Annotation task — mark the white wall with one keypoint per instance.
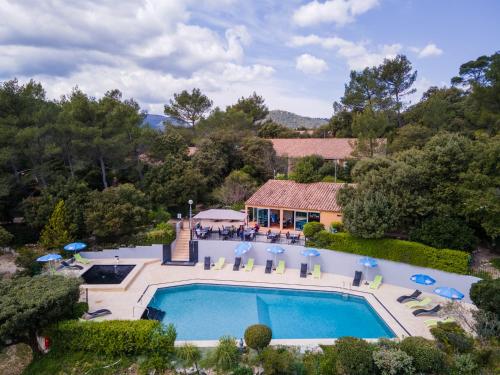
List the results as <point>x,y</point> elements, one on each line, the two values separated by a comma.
<point>149,252</point>
<point>340,263</point>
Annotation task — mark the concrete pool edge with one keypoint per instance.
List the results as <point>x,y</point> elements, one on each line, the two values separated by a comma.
<point>383,313</point>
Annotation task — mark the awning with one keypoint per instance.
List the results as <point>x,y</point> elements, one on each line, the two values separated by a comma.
<point>220,214</point>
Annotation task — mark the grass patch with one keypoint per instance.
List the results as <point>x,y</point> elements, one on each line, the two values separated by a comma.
<point>413,253</point>
<point>62,362</point>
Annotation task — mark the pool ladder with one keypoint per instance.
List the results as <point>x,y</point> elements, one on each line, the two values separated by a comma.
<point>344,294</point>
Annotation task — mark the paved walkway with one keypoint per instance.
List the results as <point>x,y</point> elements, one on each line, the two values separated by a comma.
<point>129,299</point>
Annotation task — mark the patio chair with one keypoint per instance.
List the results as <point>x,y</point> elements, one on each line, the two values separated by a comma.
<point>316,271</point>
<point>303,270</point>
<point>428,312</point>
<point>377,281</point>
<point>411,297</point>
<point>96,314</point>
<point>357,278</point>
<point>269,266</point>
<point>423,303</point>
<point>65,264</point>
<point>237,263</point>
<point>81,259</point>
<point>220,263</point>
<point>249,265</point>
<point>434,322</point>
<point>281,267</point>
<point>206,265</point>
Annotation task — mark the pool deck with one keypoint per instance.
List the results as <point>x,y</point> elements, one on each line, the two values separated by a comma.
<point>129,299</point>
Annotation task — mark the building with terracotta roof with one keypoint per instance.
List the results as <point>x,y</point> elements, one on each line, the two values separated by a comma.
<point>288,205</point>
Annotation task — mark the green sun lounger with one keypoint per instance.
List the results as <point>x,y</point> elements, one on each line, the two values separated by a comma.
<point>281,267</point>
<point>434,322</point>
<point>249,265</point>
<point>316,273</point>
<point>414,304</point>
<point>81,259</point>
<point>377,281</point>
<point>220,263</point>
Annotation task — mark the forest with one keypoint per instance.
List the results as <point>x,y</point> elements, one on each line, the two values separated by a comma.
<point>91,165</point>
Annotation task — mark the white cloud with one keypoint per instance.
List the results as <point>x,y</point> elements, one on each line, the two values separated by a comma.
<point>310,65</point>
<point>357,54</point>
<point>339,12</point>
<point>428,51</point>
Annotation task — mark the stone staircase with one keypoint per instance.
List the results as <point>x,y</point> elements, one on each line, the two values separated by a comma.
<point>181,251</point>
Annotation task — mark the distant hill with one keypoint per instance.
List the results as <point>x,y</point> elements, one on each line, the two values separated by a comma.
<point>156,121</point>
<point>293,121</point>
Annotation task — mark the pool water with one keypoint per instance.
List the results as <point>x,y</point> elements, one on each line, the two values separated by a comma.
<point>107,274</point>
<point>207,312</point>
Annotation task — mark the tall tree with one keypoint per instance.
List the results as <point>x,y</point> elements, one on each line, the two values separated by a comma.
<point>56,232</point>
<point>253,106</point>
<point>189,107</point>
<point>369,128</point>
<point>365,89</point>
<point>398,76</point>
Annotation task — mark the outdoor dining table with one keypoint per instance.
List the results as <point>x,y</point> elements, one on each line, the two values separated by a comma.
<point>294,238</point>
<point>272,236</point>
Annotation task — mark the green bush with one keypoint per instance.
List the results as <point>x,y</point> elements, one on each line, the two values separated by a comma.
<point>464,364</point>
<point>496,263</point>
<point>277,361</point>
<point>321,363</point>
<point>79,309</point>
<point>112,337</point>
<point>310,229</point>
<point>451,338</point>
<point>163,233</point>
<point>225,356</point>
<point>242,370</point>
<point>155,363</point>
<point>486,295</point>
<point>26,259</point>
<point>5,237</point>
<point>354,356</point>
<point>258,336</point>
<point>396,250</point>
<point>337,226</point>
<point>487,324</point>
<point>427,358</point>
<point>393,362</point>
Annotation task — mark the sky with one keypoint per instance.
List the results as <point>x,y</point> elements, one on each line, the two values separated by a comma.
<point>297,54</point>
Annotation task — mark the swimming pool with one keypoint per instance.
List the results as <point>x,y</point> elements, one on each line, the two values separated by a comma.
<point>208,311</point>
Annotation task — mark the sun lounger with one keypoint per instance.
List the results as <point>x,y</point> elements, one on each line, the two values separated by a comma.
<point>411,297</point>
<point>423,303</point>
<point>237,263</point>
<point>65,264</point>
<point>377,281</point>
<point>249,265</point>
<point>357,278</point>
<point>281,267</point>
<point>81,259</point>
<point>269,266</point>
<point>96,314</point>
<point>220,263</point>
<point>303,270</point>
<point>428,312</point>
<point>434,322</point>
<point>206,265</point>
<point>316,271</point>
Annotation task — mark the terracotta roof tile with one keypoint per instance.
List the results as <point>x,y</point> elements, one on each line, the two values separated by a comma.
<point>328,148</point>
<point>317,196</point>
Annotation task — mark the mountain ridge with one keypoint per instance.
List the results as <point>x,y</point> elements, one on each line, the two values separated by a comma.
<point>294,121</point>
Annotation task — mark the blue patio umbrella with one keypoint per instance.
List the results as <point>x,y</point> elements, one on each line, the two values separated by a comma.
<point>448,292</point>
<point>368,262</point>
<point>275,249</point>
<point>242,248</point>
<point>49,258</point>
<point>310,253</point>
<point>75,246</point>
<point>422,279</point>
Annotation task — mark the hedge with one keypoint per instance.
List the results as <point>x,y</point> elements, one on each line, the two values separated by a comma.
<point>113,337</point>
<point>413,253</point>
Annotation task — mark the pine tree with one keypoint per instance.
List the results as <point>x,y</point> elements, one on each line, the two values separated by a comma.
<point>55,233</point>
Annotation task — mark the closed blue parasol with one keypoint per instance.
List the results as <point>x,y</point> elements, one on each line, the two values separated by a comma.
<point>49,258</point>
<point>75,246</point>
<point>422,279</point>
<point>368,262</point>
<point>310,253</point>
<point>275,249</point>
<point>448,292</point>
<point>242,248</point>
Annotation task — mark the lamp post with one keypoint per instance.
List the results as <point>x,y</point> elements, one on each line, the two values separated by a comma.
<point>190,202</point>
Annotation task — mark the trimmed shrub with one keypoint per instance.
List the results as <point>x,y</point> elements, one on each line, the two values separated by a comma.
<point>113,337</point>
<point>79,309</point>
<point>354,356</point>
<point>310,229</point>
<point>337,226</point>
<point>451,338</point>
<point>393,362</point>
<point>486,295</point>
<point>258,336</point>
<point>396,250</point>
<point>163,233</point>
<point>427,358</point>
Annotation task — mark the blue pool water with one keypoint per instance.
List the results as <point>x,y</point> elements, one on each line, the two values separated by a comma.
<point>207,312</point>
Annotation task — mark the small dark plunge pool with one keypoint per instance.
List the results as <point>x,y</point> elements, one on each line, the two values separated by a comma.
<point>104,274</point>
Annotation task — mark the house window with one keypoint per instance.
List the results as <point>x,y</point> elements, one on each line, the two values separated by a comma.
<point>263,217</point>
<point>313,216</point>
<point>250,213</point>
<point>300,220</point>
